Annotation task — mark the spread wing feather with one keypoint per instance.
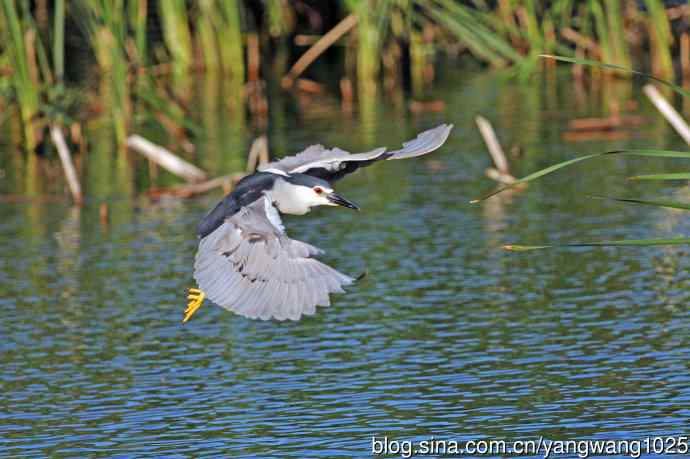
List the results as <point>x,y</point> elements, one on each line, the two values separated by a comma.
<point>250,266</point>
<point>333,164</point>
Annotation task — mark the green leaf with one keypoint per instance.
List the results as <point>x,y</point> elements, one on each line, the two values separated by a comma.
<point>655,203</point>
<point>621,243</point>
<point>649,153</point>
<point>573,60</point>
<point>536,175</point>
<point>672,176</point>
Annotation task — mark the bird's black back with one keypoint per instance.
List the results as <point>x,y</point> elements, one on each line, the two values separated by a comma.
<point>248,190</point>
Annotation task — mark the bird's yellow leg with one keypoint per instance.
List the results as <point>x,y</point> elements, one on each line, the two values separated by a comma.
<point>196,299</point>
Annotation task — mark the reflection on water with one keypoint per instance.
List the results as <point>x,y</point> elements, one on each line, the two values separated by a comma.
<point>447,336</point>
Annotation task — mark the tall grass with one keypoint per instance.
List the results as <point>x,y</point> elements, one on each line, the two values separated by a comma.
<point>138,13</point>
<point>618,48</point>
<point>106,26</point>
<point>206,35</point>
<point>59,41</point>
<point>661,40</point>
<point>279,17</point>
<point>474,30</point>
<point>19,39</point>
<point>513,32</point>
<point>178,39</point>
<point>368,44</point>
<point>228,28</point>
<point>140,63</point>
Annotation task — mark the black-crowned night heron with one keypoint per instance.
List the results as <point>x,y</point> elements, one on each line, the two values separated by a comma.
<point>245,261</point>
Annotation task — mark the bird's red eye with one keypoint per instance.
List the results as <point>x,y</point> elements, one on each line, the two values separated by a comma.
<point>318,190</point>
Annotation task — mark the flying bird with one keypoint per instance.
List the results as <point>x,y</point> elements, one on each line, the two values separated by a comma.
<point>247,264</point>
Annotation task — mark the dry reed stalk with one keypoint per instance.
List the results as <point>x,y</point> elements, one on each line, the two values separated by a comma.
<point>600,135</point>
<point>318,48</point>
<point>67,165</point>
<point>602,124</point>
<point>227,182</point>
<point>346,94</point>
<point>416,106</point>
<point>685,57</point>
<point>309,86</point>
<point>253,57</point>
<point>165,159</point>
<point>582,41</point>
<point>258,153</point>
<point>667,110</point>
<point>501,173</point>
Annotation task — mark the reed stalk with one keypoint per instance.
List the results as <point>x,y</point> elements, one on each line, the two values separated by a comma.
<point>661,40</point>
<point>368,48</point>
<point>228,26</point>
<point>113,66</point>
<point>417,62</point>
<point>602,30</point>
<point>534,34</point>
<point>279,16</point>
<point>59,41</point>
<point>24,82</point>
<point>178,40</point>
<point>138,11</point>
<point>475,30</point>
<point>618,47</point>
<point>206,35</point>
<point>104,22</point>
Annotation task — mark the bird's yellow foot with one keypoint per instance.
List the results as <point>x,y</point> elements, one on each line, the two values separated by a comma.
<point>196,299</point>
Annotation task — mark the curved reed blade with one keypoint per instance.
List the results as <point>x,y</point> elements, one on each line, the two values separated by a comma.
<point>621,243</point>
<point>646,202</point>
<point>573,60</point>
<point>648,153</point>
<point>536,175</point>
<point>671,176</point>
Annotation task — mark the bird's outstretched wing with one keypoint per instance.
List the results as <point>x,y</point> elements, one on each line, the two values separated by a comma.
<point>248,265</point>
<point>333,164</point>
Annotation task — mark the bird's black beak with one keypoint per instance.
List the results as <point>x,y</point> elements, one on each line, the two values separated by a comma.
<point>335,198</point>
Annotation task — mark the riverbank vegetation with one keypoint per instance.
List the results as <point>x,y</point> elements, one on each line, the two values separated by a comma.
<point>134,63</point>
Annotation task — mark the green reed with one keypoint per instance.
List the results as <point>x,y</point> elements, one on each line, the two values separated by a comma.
<point>206,35</point>
<point>152,69</point>
<point>19,38</point>
<point>59,41</point>
<point>509,33</point>
<point>228,27</point>
<point>368,44</point>
<point>138,13</point>
<point>106,26</point>
<point>178,38</point>
<point>618,47</point>
<point>661,40</point>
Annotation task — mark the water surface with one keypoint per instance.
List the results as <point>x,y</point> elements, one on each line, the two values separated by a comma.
<point>448,336</point>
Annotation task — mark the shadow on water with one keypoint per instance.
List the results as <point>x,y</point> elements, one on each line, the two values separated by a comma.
<point>447,337</point>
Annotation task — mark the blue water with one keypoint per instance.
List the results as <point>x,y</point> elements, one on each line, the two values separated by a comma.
<point>447,337</point>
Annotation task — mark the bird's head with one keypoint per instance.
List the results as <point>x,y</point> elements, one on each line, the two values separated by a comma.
<point>300,192</point>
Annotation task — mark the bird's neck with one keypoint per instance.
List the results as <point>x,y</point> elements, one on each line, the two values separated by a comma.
<point>289,199</point>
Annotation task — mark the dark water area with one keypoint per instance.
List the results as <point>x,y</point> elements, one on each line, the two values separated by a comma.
<point>447,337</point>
